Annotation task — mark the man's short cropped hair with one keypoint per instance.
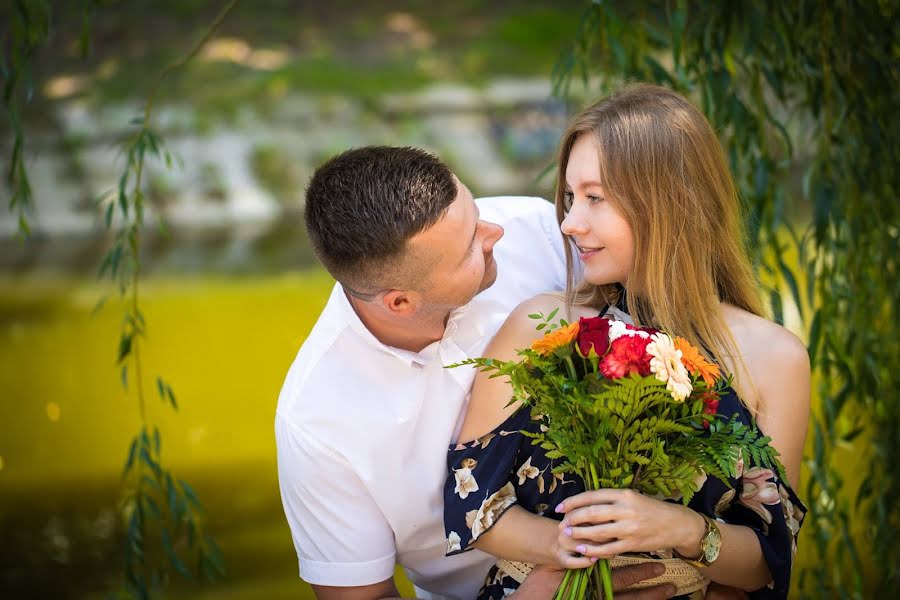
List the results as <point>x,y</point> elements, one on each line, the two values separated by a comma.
<point>364,205</point>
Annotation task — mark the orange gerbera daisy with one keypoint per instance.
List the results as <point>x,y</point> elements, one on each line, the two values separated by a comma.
<point>696,363</point>
<point>555,339</point>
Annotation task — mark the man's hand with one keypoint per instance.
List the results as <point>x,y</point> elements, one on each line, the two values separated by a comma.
<point>543,582</point>
<point>625,576</point>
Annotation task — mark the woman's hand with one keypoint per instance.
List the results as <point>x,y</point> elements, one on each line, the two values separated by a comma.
<point>607,522</point>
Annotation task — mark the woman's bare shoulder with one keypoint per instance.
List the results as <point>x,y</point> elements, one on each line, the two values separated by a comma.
<point>770,352</point>
<point>760,338</point>
<point>521,324</point>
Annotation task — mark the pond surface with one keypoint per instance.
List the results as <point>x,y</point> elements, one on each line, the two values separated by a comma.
<point>65,424</point>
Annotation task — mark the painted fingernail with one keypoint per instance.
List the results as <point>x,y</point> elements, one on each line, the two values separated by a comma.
<point>568,531</point>
<point>559,507</point>
<point>593,559</point>
<point>565,522</point>
<point>581,549</point>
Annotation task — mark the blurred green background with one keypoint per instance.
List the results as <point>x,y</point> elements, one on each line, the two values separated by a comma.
<point>231,288</point>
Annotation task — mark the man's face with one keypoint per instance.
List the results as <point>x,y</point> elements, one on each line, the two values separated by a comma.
<point>461,247</point>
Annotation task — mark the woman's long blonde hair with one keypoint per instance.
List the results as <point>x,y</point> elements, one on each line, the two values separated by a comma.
<point>664,169</point>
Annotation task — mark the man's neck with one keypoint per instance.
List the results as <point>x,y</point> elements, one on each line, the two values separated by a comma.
<point>405,334</point>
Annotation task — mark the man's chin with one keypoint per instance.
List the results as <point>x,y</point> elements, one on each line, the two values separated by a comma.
<point>489,280</point>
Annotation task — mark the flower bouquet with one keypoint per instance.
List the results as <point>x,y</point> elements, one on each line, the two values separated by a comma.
<point>627,407</point>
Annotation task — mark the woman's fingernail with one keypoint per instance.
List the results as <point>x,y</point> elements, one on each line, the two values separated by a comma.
<point>565,522</point>
<point>581,549</point>
<point>559,507</point>
<point>568,531</point>
<point>593,559</point>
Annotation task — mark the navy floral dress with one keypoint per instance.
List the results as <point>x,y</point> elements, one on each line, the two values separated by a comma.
<point>502,468</point>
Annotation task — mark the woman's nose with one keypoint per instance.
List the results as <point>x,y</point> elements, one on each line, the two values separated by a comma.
<point>572,224</point>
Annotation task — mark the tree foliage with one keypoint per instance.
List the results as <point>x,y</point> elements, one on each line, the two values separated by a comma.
<point>804,96</point>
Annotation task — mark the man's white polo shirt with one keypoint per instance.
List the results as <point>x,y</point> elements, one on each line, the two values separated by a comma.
<point>363,429</point>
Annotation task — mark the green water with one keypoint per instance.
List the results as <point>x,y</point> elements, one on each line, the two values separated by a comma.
<point>65,424</point>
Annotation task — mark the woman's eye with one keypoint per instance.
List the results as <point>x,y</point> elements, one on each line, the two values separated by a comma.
<point>568,198</point>
<point>595,199</point>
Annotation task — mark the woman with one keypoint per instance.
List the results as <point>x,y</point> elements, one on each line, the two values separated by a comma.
<point>645,195</point>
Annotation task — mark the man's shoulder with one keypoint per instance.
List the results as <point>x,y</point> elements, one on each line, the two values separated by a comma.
<point>326,348</point>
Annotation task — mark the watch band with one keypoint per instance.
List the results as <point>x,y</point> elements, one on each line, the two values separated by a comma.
<point>710,544</point>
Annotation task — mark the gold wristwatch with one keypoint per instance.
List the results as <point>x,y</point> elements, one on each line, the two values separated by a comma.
<point>710,544</point>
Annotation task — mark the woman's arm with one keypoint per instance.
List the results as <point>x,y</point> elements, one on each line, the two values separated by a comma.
<point>780,369</point>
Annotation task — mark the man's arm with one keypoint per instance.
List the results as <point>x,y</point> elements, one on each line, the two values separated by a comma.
<point>342,539</point>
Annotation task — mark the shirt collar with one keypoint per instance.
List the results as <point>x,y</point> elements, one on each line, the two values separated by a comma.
<point>421,358</point>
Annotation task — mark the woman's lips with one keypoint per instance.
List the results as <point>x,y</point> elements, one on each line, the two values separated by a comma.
<point>586,253</point>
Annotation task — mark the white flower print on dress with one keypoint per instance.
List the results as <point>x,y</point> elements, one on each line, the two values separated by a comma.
<point>758,492</point>
<point>493,506</point>
<point>792,516</point>
<point>453,542</point>
<point>528,471</point>
<point>465,481</point>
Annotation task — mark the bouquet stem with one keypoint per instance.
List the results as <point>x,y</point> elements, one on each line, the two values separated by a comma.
<point>562,591</point>
<point>596,579</point>
<point>606,578</point>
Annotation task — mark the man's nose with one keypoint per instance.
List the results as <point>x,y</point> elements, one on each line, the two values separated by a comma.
<point>492,233</point>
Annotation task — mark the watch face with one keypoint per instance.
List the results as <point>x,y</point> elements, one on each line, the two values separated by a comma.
<point>711,548</point>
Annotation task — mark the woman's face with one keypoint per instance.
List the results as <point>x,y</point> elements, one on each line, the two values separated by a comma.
<point>603,236</point>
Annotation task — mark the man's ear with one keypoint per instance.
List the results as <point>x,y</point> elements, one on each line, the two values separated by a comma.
<point>401,303</point>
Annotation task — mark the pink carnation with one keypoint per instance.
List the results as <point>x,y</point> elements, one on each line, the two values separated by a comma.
<point>627,355</point>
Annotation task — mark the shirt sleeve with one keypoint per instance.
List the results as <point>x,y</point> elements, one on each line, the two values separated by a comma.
<point>340,534</point>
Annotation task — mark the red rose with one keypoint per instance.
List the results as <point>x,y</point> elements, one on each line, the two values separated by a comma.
<point>593,333</point>
<point>710,405</point>
<point>711,408</point>
<point>627,355</point>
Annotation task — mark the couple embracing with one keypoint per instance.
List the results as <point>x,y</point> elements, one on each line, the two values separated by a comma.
<point>373,431</point>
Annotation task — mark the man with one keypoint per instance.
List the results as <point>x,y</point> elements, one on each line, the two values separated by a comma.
<point>368,411</point>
